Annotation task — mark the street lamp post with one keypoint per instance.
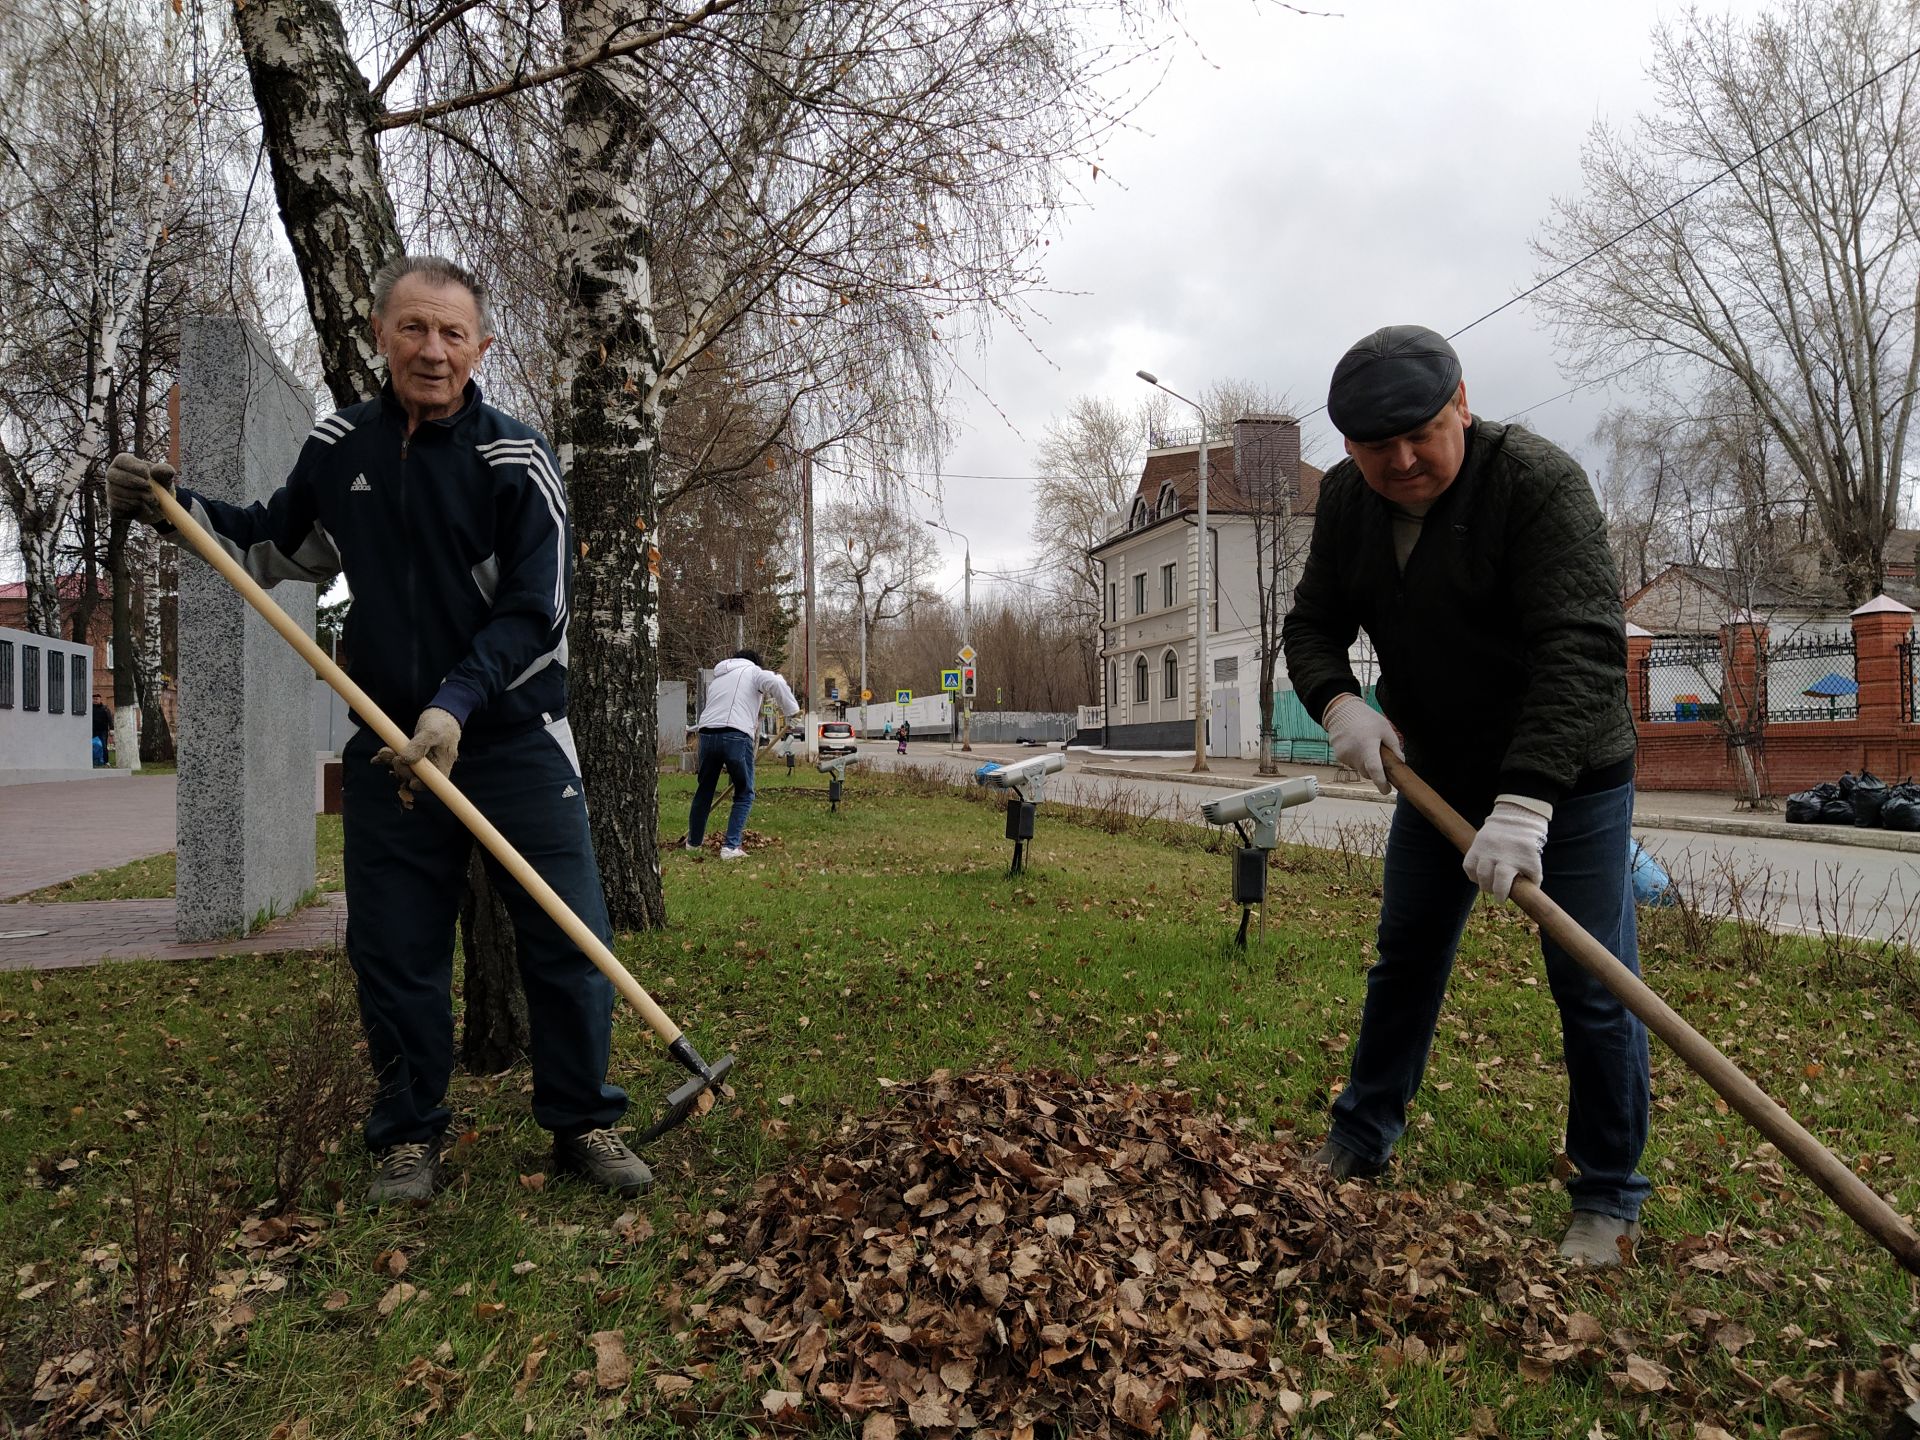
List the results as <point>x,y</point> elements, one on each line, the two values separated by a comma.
<point>1200,705</point>
<point>966,629</point>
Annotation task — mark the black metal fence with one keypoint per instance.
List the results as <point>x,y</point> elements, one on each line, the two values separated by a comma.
<point>1909,693</point>
<point>1681,679</point>
<point>1812,679</point>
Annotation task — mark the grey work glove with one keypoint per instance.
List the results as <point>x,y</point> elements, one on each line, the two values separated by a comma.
<point>1357,731</point>
<point>436,739</point>
<point>128,492</point>
<point>1507,847</point>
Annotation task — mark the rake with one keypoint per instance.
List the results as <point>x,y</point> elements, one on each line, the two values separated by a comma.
<point>680,1103</point>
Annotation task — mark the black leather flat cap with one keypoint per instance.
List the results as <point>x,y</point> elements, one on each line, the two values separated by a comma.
<point>1395,380</point>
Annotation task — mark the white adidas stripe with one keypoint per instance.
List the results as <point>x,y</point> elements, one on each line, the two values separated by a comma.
<point>332,428</point>
<point>532,456</point>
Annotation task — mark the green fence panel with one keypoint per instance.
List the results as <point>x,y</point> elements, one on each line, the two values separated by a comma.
<point>1296,736</point>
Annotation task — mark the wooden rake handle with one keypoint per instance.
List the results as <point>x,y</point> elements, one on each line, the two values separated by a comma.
<point>1809,1156</point>
<point>515,864</point>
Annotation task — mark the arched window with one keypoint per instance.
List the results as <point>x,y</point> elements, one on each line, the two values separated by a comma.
<point>1113,683</point>
<point>1140,691</point>
<point>1139,518</point>
<point>1169,500</point>
<point>1170,674</point>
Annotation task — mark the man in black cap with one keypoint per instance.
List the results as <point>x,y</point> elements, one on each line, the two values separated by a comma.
<point>1474,556</point>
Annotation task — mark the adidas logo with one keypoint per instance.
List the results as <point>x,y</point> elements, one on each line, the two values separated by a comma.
<point>360,483</point>
<point>568,793</point>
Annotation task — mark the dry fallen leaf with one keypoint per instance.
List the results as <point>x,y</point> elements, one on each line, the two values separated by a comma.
<point>336,1300</point>
<point>1645,1374</point>
<point>780,1403</point>
<point>611,1367</point>
<point>398,1295</point>
<point>535,1181</point>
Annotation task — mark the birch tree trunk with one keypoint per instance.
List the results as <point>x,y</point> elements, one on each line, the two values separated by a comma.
<point>44,514</point>
<point>156,735</point>
<point>608,444</point>
<point>318,114</point>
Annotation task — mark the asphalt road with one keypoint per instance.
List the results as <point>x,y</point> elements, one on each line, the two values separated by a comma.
<point>1791,885</point>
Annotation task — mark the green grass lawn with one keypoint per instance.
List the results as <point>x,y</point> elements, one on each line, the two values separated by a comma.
<point>152,878</point>
<point>887,941</point>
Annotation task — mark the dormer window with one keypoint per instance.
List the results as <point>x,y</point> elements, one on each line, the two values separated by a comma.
<point>1169,500</point>
<point>1138,520</point>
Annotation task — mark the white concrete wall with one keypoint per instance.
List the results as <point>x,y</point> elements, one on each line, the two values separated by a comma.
<point>44,738</point>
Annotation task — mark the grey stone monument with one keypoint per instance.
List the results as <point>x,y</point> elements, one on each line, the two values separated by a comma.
<point>245,794</point>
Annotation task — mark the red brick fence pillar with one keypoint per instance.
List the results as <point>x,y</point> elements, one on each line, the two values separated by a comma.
<point>1879,627</point>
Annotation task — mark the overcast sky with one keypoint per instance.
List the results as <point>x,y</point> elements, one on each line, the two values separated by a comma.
<point>1296,183</point>
<point>1293,184</point>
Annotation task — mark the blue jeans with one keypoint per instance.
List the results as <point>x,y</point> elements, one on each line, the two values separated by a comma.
<point>732,751</point>
<point>1427,899</point>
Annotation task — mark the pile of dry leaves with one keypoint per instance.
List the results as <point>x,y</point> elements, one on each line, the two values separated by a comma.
<point>1023,1253</point>
<point>1028,1252</point>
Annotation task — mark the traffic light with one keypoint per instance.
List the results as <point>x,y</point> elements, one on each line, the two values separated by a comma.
<point>966,683</point>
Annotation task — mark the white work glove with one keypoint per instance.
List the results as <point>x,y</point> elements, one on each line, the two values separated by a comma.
<point>436,739</point>
<point>1357,731</point>
<point>128,492</point>
<point>1508,846</point>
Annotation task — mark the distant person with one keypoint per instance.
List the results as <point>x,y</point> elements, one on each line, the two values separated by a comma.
<point>1473,553</point>
<point>886,731</point>
<point>102,732</point>
<point>728,722</point>
<point>905,731</point>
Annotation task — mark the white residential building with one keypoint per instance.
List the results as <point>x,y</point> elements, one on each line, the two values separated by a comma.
<point>1150,559</point>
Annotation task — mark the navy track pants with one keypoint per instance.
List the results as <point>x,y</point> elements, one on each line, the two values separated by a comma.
<point>405,873</point>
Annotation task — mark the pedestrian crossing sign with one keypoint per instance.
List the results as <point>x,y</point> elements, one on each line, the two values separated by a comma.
<point>901,697</point>
<point>949,679</point>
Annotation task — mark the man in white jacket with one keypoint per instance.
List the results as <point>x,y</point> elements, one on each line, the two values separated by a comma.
<point>729,722</point>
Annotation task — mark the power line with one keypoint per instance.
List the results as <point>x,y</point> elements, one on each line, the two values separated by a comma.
<point>1710,181</point>
<point>1576,389</point>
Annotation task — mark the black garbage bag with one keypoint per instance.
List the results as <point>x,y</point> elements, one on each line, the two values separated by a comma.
<point>1845,785</point>
<point>1837,812</point>
<point>1869,794</point>
<point>1901,809</point>
<point>1805,808</point>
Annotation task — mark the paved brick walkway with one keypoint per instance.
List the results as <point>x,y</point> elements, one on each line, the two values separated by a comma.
<point>85,932</point>
<point>63,828</point>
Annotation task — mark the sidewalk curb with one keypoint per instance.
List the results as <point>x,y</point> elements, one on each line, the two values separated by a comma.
<point>1642,820</point>
<point>1780,830</point>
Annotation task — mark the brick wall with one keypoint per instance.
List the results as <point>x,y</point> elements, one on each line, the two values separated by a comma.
<point>1693,755</point>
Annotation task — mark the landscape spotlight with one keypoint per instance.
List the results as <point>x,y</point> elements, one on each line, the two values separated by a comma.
<point>1027,779</point>
<point>1262,806</point>
<point>835,769</point>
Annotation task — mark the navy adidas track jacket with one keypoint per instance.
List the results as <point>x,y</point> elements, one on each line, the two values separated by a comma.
<point>455,543</point>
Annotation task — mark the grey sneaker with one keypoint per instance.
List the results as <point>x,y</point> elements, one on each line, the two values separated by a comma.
<point>732,852</point>
<point>602,1157</point>
<point>1594,1240</point>
<point>408,1172</point>
<point>1344,1163</point>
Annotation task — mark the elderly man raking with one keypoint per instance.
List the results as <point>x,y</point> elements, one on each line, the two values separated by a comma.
<point>449,521</point>
<point>1475,557</point>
